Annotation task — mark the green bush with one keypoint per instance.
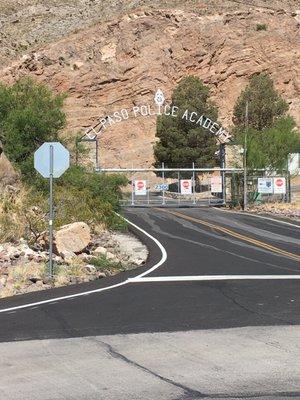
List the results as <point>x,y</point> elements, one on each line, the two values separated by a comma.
<point>86,196</point>
<point>102,263</point>
<point>30,114</point>
<point>89,197</point>
<point>261,27</point>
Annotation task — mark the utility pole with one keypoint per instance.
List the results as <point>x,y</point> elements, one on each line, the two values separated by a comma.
<point>245,155</point>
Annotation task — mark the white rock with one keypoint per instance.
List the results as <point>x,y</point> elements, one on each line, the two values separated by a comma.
<point>100,250</point>
<point>90,269</point>
<point>73,238</point>
<point>110,256</point>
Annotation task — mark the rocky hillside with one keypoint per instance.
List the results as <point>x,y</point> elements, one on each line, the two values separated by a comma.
<point>121,63</point>
<point>26,24</point>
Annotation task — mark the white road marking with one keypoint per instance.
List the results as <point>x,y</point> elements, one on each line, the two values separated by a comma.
<point>157,265</point>
<point>210,278</point>
<point>258,216</point>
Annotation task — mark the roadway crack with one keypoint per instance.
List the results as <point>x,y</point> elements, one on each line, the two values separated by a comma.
<point>188,392</point>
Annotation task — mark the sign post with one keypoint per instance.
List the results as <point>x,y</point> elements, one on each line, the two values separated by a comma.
<point>163,176</point>
<point>194,184</point>
<point>51,160</point>
<point>51,212</point>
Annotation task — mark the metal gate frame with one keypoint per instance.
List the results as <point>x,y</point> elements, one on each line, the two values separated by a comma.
<point>148,202</point>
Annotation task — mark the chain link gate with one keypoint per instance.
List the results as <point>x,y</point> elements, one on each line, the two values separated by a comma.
<point>173,187</point>
<point>195,187</point>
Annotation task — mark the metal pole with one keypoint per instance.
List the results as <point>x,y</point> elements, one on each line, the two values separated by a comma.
<point>163,176</point>
<point>178,191</point>
<point>97,154</point>
<point>289,189</point>
<point>132,190</point>
<point>245,155</point>
<point>223,174</point>
<point>76,151</point>
<point>194,185</point>
<point>51,215</point>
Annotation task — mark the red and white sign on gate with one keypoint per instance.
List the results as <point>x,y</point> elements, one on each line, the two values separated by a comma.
<point>279,186</point>
<point>186,186</point>
<point>216,184</point>
<point>140,188</point>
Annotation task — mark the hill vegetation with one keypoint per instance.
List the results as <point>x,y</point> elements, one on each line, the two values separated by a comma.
<point>31,115</point>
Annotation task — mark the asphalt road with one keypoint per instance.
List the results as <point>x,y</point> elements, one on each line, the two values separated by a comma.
<point>219,318</point>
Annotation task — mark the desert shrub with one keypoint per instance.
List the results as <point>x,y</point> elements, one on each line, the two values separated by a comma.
<point>10,230</point>
<point>261,27</point>
<point>26,213</point>
<point>102,263</point>
<point>13,215</point>
<point>22,215</point>
<point>89,197</point>
<point>22,273</point>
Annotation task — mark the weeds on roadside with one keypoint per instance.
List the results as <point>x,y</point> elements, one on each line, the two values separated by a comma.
<point>102,263</point>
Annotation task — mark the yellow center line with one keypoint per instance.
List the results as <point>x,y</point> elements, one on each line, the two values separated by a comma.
<point>234,234</point>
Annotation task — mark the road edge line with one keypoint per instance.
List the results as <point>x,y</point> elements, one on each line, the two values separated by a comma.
<point>157,242</point>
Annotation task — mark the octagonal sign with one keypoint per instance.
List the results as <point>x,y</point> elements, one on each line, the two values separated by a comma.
<point>61,159</point>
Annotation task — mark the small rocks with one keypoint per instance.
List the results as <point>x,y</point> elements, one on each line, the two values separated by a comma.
<point>110,256</point>
<point>285,210</point>
<point>68,256</point>
<point>90,269</point>
<point>3,281</point>
<point>23,268</point>
<point>34,279</point>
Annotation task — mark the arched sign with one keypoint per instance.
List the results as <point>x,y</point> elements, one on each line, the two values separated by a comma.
<point>159,108</point>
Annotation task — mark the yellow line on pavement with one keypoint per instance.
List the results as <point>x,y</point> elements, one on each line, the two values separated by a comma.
<point>237,235</point>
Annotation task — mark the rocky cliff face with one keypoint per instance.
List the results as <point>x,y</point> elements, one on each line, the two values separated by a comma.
<point>121,63</point>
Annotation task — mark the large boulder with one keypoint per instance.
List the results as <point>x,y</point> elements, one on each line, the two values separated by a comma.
<point>72,238</point>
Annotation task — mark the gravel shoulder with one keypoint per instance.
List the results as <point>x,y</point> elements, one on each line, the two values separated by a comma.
<point>24,270</point>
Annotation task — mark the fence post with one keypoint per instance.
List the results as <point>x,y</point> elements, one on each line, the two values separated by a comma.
<point>132,190</point>
<point>178,191</point>
<point>194,185</point>
<point>289,189</point>
<point>163,176</point>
